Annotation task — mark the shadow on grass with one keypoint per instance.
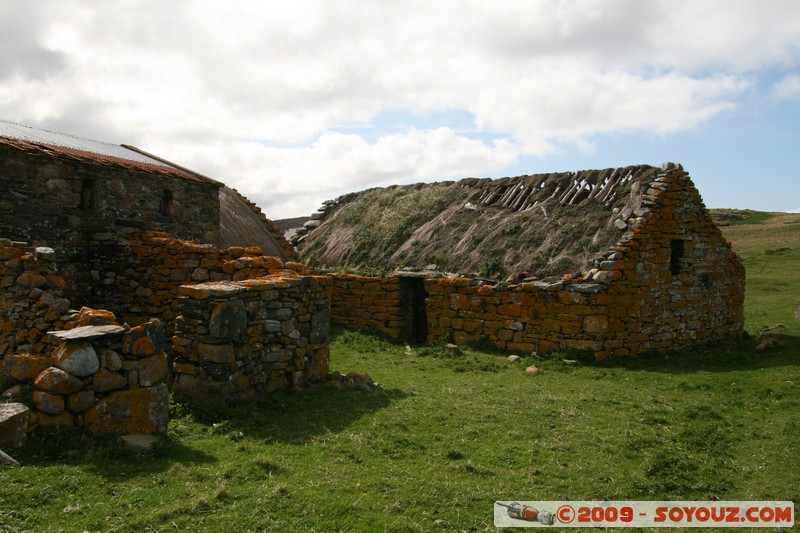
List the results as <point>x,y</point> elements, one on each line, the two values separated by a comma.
<point>294,416</point>
<point>108,457</point>
<point>724,357</point>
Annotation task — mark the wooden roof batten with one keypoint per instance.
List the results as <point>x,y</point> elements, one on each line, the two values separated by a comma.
<point>570,188</point>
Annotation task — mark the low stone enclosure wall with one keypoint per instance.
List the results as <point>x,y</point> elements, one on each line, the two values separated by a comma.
<point>266,327</point>
<point>364,303</point>
<point>672,281</point>
<point>137,275</point>
<point>234,340</point>
<point>104,378</point>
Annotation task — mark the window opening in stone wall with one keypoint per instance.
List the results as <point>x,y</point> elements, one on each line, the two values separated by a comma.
<point>166,200</point>
<point>412,298</point>
<point>676,256</point>
<point>88,194</point>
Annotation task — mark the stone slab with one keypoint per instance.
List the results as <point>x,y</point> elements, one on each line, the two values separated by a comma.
<point>211,290</point>
<point>86,333</point>
<point>587,288</point>
<point>13,425</point>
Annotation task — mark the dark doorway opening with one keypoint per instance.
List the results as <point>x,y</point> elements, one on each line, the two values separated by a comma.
<point>412,301</point>
<point>677,252</point>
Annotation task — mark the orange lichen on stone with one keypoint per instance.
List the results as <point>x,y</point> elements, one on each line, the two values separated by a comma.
<point>142,347</point>
<point>132,412</point>
<point>25,367</point>
<point>95,317</point>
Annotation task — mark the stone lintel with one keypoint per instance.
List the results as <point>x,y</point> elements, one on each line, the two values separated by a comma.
<point>86,333</point>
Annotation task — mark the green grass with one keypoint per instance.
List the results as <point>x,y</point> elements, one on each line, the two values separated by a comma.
<point>445,437</point>
<point>770,252</point>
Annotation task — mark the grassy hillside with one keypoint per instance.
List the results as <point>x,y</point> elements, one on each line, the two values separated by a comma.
<point>769,245</point>
<point>448,436</point>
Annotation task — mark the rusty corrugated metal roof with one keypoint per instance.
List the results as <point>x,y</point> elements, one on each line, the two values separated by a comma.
<point>98,151</point>
<point>65,140</point>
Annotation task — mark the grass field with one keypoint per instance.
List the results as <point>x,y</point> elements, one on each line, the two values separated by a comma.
<point>445,437</point>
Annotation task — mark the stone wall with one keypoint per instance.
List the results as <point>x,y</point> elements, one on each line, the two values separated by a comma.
<point>53,197</point>
<point>135,274</point>
<point>31,298</point>
<point>368,303</point>
<point>104,378</point>
<point>234,340</point>
<point>138,274</point>
<point>671,282</point>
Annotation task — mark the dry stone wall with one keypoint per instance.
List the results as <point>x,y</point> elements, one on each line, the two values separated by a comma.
<point>31,298</point>
<point>236,339</point>
<point>138,274</point>
<point>367,303</point>
<point>104,378</point>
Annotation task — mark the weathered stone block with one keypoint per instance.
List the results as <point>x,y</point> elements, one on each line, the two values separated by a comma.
<point>141,411</point>
<point>217,353</point>
<point>105,380</point>
<point>51,404</point>
<point>13,425</point>
<point>77,358</point>
<point>109,359</point>
<point>62,420</point>
<point>193,389</point>
<point>31,279</point>
<point>57,381</point>
<point>595,324</point>
<point>145,340</point>
<point>80,401</point>
<point>228,320</point>
<point>25,367</point>
<point>95,317</point>
<point>152,370</point>
<point>87,333</point>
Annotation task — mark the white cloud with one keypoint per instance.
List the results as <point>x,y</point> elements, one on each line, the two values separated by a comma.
<point>574,105</point>
<point>794,210</point>
<point>788,88</point>
<point>338,163</point>
<point>253,92</point>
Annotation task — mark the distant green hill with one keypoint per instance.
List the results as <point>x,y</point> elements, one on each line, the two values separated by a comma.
<point>769,245</point>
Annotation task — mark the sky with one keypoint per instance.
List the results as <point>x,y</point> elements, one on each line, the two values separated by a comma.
<point>296,102</point>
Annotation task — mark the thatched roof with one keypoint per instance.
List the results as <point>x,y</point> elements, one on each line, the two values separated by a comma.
<point>544,225</point>
<point>243,224</point>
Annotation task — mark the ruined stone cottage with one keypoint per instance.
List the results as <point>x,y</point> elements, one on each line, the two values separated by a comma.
<point>616,262</point>
<point>159,259</point>
<point>72,194</point>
